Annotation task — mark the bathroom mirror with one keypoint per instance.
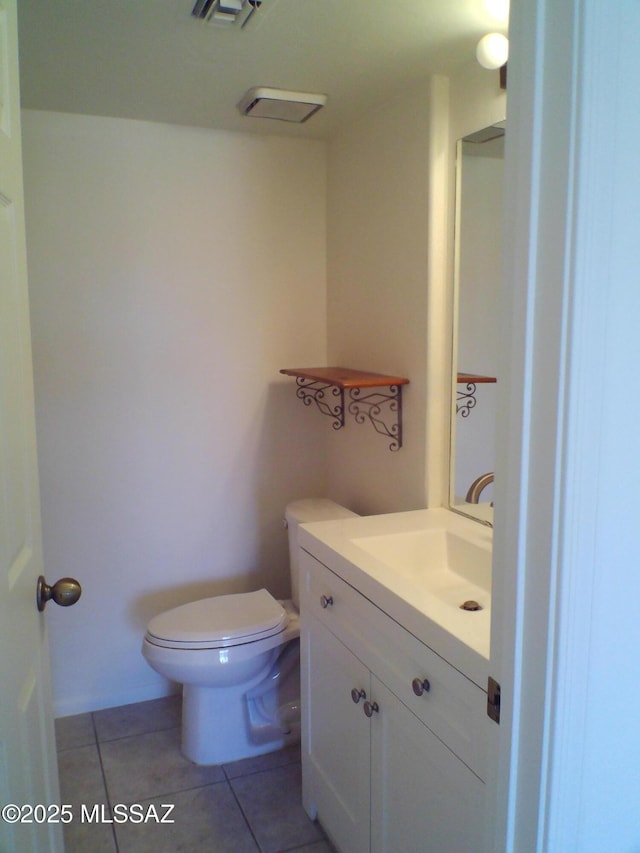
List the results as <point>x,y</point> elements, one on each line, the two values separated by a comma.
<point>477,271</point>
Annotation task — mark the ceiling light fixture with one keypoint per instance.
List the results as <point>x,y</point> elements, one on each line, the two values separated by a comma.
<point>281,104</point>
<point>492,51</point>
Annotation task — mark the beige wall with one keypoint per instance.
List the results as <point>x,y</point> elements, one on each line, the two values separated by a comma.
<point>377,268</point>
<point>390,274</point>
<point>173,271</point>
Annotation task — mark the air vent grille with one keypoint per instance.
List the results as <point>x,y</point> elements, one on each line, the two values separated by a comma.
<point>282,104</point>
<point>226,12</point>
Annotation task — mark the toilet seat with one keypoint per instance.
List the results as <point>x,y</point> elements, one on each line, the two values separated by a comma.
<point>220,622</point>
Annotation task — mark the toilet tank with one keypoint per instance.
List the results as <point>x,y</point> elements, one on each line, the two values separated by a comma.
<point>301,512</point>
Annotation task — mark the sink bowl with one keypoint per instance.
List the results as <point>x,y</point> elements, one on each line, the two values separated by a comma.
<point>453,569</point>
<point>419,567</point>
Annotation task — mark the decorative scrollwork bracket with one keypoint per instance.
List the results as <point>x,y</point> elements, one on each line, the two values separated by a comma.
<point>313,391</point>
<point>383,411</point>
<point>325,386</point>
<point>466,400</point>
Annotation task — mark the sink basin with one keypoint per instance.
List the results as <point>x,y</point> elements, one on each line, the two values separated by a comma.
<point>453,569</point>
<point>419,567</point>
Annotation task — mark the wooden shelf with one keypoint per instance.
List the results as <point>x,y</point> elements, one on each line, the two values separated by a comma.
<point>312,383</point>
<point>345,377</point>
<point>474,378</point>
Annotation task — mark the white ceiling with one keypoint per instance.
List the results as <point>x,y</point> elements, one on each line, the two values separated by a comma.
<point>150,59</point>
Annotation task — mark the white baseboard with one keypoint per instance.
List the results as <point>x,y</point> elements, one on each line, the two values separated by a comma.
<point>139,693</point>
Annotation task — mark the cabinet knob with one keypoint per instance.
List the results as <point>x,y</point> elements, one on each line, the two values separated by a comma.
<point>357,695</point>
<point>420,686</point>
<point>326,601</point>
<point>370,708</point>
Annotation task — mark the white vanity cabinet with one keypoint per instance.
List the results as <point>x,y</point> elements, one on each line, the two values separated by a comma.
<point>394,771</point>
<point>336,751</point>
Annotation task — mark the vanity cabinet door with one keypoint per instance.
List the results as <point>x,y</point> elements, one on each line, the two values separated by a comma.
<point>423,798</point>
<point>335,736</point>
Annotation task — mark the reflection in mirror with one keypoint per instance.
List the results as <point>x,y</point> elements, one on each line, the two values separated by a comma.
<point>478,271</point>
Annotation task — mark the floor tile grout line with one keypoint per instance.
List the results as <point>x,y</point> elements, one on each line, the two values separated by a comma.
<point>302,847</point>
<point>260,770</point>
<point>245,818</point>
<point>228,776</point>
<point>104,782</point>
<point>150,797</point>
<point>155,796</point>
<point>135,734</point>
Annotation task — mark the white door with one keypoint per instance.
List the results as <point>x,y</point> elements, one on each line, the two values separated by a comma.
<point>28,771</point>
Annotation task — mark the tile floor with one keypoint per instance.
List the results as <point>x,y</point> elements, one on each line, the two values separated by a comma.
<point>131,754</point>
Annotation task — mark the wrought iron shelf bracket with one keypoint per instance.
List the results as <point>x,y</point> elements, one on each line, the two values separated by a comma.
<point>383,411</point>
<point>466,399</point>
<point>325,386</point>
<point>313,391</point>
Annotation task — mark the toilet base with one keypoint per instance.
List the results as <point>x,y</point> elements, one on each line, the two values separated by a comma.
<point>219,726</point>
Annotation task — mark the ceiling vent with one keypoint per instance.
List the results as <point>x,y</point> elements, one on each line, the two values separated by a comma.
<point>281,104</point>
<point>226,12</point>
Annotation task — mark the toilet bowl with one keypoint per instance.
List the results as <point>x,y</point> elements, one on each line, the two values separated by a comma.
<point>238,659</point>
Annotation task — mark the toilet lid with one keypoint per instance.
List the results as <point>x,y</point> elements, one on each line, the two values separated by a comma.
<point>226,620</point>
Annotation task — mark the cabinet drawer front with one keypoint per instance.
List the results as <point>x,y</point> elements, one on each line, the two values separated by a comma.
<point>451,705</point>
<point>344,611</point>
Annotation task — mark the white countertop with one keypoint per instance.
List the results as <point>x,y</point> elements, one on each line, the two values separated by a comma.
<point>411,598</point>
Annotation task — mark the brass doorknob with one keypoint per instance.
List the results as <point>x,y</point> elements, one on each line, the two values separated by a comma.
<point>64,592</point>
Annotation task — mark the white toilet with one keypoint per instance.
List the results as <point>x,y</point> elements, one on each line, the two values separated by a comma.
<point>238,659</point>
